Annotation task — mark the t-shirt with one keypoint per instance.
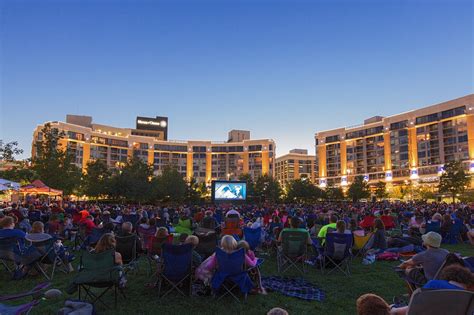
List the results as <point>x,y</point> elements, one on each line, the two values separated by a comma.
<point>7,233</point>
<point>431,260</point>
<point>296,230</point>
<point>324,230</point>
<point>441,284</point>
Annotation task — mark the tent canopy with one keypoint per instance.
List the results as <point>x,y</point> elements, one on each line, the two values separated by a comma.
<point>38,187</point>
<point>9,184</point>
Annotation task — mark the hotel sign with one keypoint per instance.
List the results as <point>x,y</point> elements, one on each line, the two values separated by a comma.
<point>157,123</point>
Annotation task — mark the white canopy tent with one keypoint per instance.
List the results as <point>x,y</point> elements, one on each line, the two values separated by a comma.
<point>9,184</point>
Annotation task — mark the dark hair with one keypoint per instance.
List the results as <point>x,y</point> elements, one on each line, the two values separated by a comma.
<point>295,222</point>
<point>457,273</point>
<point>340,226</point>
<point>333,218</point>
<point>378,224</point>
<point>371,304</point>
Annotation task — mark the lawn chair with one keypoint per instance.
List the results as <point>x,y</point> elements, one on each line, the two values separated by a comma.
<point>93,238</point>
<point>36,293</point>
<point>49,256</point>
<point>337,252</point>
<point>433,227</point>
<point>10,254</point>
<point>454,234</point>
<point>253,237</point>
<point>362,244</point>
<point>293,252</point>
<point>231,274</point>
<point>176,269</point>
<point>145,235</point>
<point>127,247</point>
<point>98,270</point>
<point>207,242</point>
<point>232,227</point>
<point>441,302</point>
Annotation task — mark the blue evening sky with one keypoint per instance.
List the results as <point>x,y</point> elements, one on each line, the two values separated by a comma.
<point>282,69</point>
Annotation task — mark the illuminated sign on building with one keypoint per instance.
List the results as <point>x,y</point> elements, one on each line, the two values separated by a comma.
<point>344,181</point>
<point>388,176</point>
<point>157,123</point>
<point>414,173</point>
<point>323,182</point>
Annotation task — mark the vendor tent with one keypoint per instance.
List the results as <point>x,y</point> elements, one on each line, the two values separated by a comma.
<point>38,187</point>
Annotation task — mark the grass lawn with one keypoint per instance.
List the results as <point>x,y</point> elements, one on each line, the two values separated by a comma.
<point>341,292</point>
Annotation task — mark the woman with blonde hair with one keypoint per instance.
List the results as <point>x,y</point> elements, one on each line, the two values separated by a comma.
<point>107,242</point>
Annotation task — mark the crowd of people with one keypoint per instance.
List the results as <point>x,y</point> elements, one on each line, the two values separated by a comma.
<point>417,228</point>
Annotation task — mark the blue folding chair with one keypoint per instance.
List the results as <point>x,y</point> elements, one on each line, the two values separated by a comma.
<point>433,226</point>
<point>454,234</point>
<point>10,253</point>
<point>253,237</point>
<point>337,253</point>
<point>176,269</point>
<point>231,274</point>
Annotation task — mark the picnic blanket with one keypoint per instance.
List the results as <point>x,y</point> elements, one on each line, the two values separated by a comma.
<point>299,288</point>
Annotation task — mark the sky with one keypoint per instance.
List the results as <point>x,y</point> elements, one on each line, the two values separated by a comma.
<point>282,69</point>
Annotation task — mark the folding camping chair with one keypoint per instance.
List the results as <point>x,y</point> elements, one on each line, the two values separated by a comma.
<point>337,252</point>
<point>35,293</point>
<point>231,274</point>
<point>10,254</point>
<point>98,270</point>
<point>49,256</point>
<point>127,247</point>
<point>293,252</point>
<point>145,234</point>
<point>232,227</point>
<point>207,242</point>
<point>92,239</point>
<point>454,234</point>
<point>176,269</point>
<point>362,244</point>
<point>441,302</point>
<point>253,237</point>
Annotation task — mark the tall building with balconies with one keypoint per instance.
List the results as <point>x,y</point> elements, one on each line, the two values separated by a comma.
<point>413,145</point>
<point>297,164</point>
<point>202,160</point>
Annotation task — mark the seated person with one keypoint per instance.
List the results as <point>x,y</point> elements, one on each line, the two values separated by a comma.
<point>194,240</point>
<point>295,222</point>
<point>7,228</point>
<point>429,260</point>
<point>255,273</point>
<point>371,304</point>
<point>126,231</point>
<point>208,222</point>
<point>161,237</point>
<point>380,243</point>
<point>37,234</point>
<point>341,227</point>
<point>331,226</point>
<point>107,242</point>
<point>184,225</point>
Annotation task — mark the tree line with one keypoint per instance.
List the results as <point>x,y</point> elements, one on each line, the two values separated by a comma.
<point>134,181</point>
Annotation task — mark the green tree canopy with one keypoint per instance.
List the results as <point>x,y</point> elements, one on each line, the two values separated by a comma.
<point>454,180</point>
<point>381,190</point>
<point>54,164</point>
<point>8,151</point>
<point>358,189</point>
<point>132,182</point>
<point>334,193</point>
<point>302,190</point>
<point>267,188</point>
<point>96,180</point>
<point>170,185</point>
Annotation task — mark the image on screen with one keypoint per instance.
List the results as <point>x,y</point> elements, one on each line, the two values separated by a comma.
<point>230,191</point>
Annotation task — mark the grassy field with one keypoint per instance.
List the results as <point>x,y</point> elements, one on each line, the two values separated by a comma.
<point>341,292</point>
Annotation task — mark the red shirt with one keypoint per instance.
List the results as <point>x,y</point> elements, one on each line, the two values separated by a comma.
<point>89,225</point>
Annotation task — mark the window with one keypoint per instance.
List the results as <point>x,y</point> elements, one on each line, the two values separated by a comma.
<point>427,119</point>
<point>453,112</point>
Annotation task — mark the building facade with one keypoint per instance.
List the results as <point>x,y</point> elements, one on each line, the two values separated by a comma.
<point>201,160</point>
<point>295,165</point>
<point>410,146</point>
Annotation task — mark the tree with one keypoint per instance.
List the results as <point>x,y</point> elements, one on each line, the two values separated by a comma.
<point>268,188</point>
<point>358,189</point>
<point>193,193</point>
<point>170,185</point>
<point>301,190</point>
<point>334,193</point>
<point>96,181</point>
<point>20,173</point>
<point>250,184</point>
<point>8,151</point>
<point>381,190</point>
<point>454,180</point>
<point>132,182</point>
<point>54,164</point>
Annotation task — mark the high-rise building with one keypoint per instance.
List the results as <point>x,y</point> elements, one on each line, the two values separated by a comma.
<point>295,165</point>
<point>413,145</point>
<point>202,160</point>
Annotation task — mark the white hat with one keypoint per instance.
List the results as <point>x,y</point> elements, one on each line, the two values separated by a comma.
<point>432,239</point>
